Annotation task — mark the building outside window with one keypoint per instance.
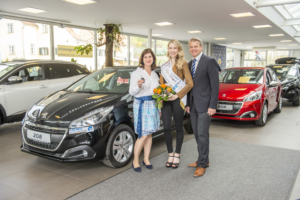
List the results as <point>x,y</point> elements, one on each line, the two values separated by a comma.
<point>32,49</point>
<point>45,28</point>
<point>255,59</point>
<point>229,58</point>
<point>273,55</point>
<point>161,51</point>
<point>10,28</point>
<point>44,51</point>
<point>11,49</point>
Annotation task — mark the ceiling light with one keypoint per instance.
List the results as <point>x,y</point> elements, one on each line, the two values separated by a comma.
<point>32,10</point>
<point>260,48</point>
<point>81,2</point>
<point>293,44</point>
<point>246,14</point>
<point>281,48</point>
<point>220,38</point>
<point>194,31</point>
<point>262,26</point>
<point>237,43</point>
<point>157,34</point>
<point>164,23</point>
<point>286,41</point>
<point>276,35</point>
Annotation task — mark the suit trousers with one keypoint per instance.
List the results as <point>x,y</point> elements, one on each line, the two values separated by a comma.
<point>201,123</point>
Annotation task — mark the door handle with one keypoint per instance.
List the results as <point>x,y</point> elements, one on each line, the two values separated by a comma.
<point>43,86</point>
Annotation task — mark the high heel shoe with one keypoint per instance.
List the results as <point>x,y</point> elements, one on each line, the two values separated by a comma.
<point>176,164</point>
<point>148,166</point>
<point>138,169</point>
<point>169,163</point>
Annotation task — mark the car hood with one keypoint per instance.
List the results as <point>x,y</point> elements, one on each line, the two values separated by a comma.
<point>67,106</point>
<point>236,92</point>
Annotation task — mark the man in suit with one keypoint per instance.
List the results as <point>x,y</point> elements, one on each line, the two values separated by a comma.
<point>202,100</point>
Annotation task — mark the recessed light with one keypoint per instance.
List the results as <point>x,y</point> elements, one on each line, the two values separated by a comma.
<point>276,35</point>
<point>237,43</point>
<point>281,48</point>
<point>157,34</point>
<point>220,38</point>
<point>164,23</point>
<point>194,31</point>
<point>286,41</point>
<point>262,26</point>
<point>32,10</point>
<point>293,44</point>
<point>246,14</point>
<point>81,2</point>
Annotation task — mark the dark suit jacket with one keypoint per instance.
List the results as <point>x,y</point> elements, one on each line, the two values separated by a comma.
<point>205,92</point>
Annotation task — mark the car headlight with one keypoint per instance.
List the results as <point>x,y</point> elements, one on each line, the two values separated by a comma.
<point>254,96</point>
<point>34,112</point>
<point>92,118</point>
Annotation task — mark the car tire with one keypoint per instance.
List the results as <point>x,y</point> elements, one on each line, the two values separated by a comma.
<point>296,102</point>
<point>120,145</point>
<point>263,117</point>
<point>279,106</point>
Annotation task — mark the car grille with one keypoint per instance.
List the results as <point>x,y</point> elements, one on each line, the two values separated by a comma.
<point>45,130</point>
<point>236,107</point>
<point>52,145</point>
<point>39,150</point>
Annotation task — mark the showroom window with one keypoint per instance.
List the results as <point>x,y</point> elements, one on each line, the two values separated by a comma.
<point>10,28</point>
<point>161,51</point>
<point>255,59</point>
<point>120,52</point>
<point>229,58</point>
<point>273,55</point>
<point>11,49</point>
<point>44,51</point>
<point>137,45</point>
<point>32,49</point>
<point>45,28</point>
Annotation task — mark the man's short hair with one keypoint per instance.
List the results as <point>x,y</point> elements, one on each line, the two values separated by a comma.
<point>196,39</point>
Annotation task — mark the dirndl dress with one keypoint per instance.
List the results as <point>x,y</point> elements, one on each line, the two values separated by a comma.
<point>146,116</point>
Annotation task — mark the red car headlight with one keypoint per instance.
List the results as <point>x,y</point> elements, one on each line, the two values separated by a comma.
<point>254,96</point>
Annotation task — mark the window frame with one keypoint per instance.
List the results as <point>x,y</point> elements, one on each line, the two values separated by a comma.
<point>11,50</point>
<point>32,49</point>
<point>10,28</point>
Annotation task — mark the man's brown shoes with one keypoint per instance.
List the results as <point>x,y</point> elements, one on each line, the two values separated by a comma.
<point>195,164</point>
<point>199,172</point>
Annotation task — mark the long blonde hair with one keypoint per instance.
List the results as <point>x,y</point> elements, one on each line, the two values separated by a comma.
<point>180,60</point>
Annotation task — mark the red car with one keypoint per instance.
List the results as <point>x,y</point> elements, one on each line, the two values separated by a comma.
<point>248,94</point>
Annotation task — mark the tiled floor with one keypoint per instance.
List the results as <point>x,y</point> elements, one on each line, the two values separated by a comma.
<point>23,176</point>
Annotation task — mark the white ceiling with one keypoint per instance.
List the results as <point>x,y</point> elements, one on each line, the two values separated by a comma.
<point>137,16</point>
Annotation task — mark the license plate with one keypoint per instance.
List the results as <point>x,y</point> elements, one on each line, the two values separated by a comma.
<point>38,136</point>
<point>225,107</point>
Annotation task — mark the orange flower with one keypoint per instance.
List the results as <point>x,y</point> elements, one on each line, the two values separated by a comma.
<point>158,91</point>
<point>155,90</point>
<point>169,89</point>
<point>163,86</point>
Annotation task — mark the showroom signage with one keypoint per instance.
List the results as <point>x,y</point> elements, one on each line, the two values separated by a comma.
<point>69,51</point>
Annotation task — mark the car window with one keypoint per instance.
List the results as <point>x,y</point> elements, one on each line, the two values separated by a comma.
<point>268,80</point>
<point>31,73</point>
<point>241,76</point>
<point>60,71</point>
<point>273,75</point>
<point>80,70</point>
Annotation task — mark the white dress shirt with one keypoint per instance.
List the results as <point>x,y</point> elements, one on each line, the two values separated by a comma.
<point>197,61</point>
<point>151,82</point>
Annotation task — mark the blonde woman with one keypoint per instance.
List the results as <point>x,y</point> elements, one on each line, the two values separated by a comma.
<point>175,69</point>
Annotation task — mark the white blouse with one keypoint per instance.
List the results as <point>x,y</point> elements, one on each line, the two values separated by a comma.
<point>151,82</point>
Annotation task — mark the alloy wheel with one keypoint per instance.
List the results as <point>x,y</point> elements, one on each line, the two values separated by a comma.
<point>123,146</point>
<point>265,113</point>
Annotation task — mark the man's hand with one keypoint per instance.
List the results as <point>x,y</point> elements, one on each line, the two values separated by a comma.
<point>211,111</point>
<point>187,109</point>
<point>172,98</point>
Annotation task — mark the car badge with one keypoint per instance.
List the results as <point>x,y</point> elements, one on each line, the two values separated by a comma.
<point>44,115</point>
<point>224,95</point>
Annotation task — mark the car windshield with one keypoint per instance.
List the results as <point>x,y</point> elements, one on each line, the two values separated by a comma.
<point>6,68</point>
<point>241,76</point>
<point>104,81</point>
<point>283,72</point>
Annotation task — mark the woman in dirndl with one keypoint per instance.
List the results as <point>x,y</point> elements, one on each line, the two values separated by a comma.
<point>146,115</point>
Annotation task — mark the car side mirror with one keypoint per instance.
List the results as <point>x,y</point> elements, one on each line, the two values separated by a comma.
<point>274,84</point>
<point>14,80</point>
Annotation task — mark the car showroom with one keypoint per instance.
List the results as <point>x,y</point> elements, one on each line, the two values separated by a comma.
<point>83,83</point>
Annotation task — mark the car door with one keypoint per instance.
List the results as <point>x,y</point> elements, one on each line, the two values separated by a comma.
<point>34,86</point>
<point>62,75</point>
<point>271,92</point>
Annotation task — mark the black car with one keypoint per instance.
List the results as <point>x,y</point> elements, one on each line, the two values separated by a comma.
<point>91,119</point>
<point>289,76</point>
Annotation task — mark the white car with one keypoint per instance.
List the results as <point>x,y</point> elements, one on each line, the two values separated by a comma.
<point>22,83</point>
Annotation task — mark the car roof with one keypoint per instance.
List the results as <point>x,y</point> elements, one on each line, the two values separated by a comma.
<point>271,65</point>
<point>246,68</point>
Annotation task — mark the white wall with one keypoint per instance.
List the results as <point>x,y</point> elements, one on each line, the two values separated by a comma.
<point>296,53</point>
<point>187,54</point>
<point>237,58</point>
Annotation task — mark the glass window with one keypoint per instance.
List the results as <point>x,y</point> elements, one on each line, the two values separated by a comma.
<point>10,28</point>
<point>104,81</point>
<point>229,58</point>
<point>284,71</point>
<point>254,63</point>
<point>120,53</point>
<point>44,51</point>
<point>255,55</point>
<point>161,51</point>
<point>137,45</point>
<point>273,55</point>
<point>7,68</point>
<point>61,71</point>
<point>241,76</point>
<point>45,28</point>
<point>273,75</point>
<point>32,49</point>
<point>268,81</point>
<point>32,73</point>
<point>11,49</point>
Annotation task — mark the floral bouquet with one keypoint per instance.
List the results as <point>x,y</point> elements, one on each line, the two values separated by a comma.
<point>162,93</point>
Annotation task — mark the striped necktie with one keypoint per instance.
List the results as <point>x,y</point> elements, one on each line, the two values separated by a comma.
<point>193,68</point>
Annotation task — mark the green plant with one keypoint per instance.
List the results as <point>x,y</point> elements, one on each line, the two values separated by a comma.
<point>73,60</point>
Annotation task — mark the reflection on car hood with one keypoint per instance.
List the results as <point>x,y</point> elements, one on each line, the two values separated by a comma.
<point>287,80</point>
<point>236,92</point>
<point>65,106</point>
